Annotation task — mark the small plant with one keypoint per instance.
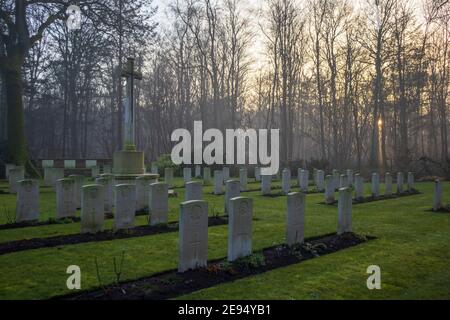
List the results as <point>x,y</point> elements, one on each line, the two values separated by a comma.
<point>252,262</point>
<point>117,268</point>
<point>118,271</point>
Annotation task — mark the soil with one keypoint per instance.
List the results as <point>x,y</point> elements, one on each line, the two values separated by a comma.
<point>380,198</point>
<point>51,222</point>
<point>171,284</point>
<point>10,226</point>
<point>442,210</point>
<point>141,231</point>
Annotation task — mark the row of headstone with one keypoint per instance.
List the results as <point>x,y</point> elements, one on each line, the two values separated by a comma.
<point>375,186</point>
<point>93,208</point>
<point>193,227</point>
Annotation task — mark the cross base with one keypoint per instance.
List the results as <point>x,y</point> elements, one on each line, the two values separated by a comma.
<point>129,162</point>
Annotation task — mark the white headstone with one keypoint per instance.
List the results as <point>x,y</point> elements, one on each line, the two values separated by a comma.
<point>107,169</point>
<point>194,191</point>
<point>320,180</point>
<point>375,185</point>
<point>304,180</point>
<point>388,185</point>
<point>125,204</point>
<point>48,164</point>
<point>329,190</point>
<point>343,182</point>
<point>15,175</point>
<point>79,182</point>
<point>70,164</point>
<point>336,178</point>
<point>226,174</point>
<point>437,199</point>
<point>240,228</point>
<point>243,177</point>
<point>193,250</point>
<point>154,168</point>
<point>89,164</point>
<point>218,182</point>
<point>51,175</point>
<point>410,182</point>
<point>66,206</point>
<point>95,172</point>
<point>400,183</point>
<point>168,177</point>
<point>350,178</point>
<point>207,176</point>
<point>258,174</point>
<point>345,211</point>
<point>108,192</point>
<point>295,219</point>
<point>266,185</point>
<point>286,181</point>
<point>92,209</point>
<point>159,203</point>
<point>27,205</point>
<point>143,191</point>
<point>187,175</point>
<point>8,167</point>
<point>198,171</point>
<point>233,190</point>
<point>359,187</point>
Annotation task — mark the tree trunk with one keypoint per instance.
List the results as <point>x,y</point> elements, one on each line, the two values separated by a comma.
<point>17,149</point>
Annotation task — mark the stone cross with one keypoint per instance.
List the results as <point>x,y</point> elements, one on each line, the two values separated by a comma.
<point>240,228</point>
<point>129,113</point>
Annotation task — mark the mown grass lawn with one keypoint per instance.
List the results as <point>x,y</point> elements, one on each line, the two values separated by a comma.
<point>412,249</point>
